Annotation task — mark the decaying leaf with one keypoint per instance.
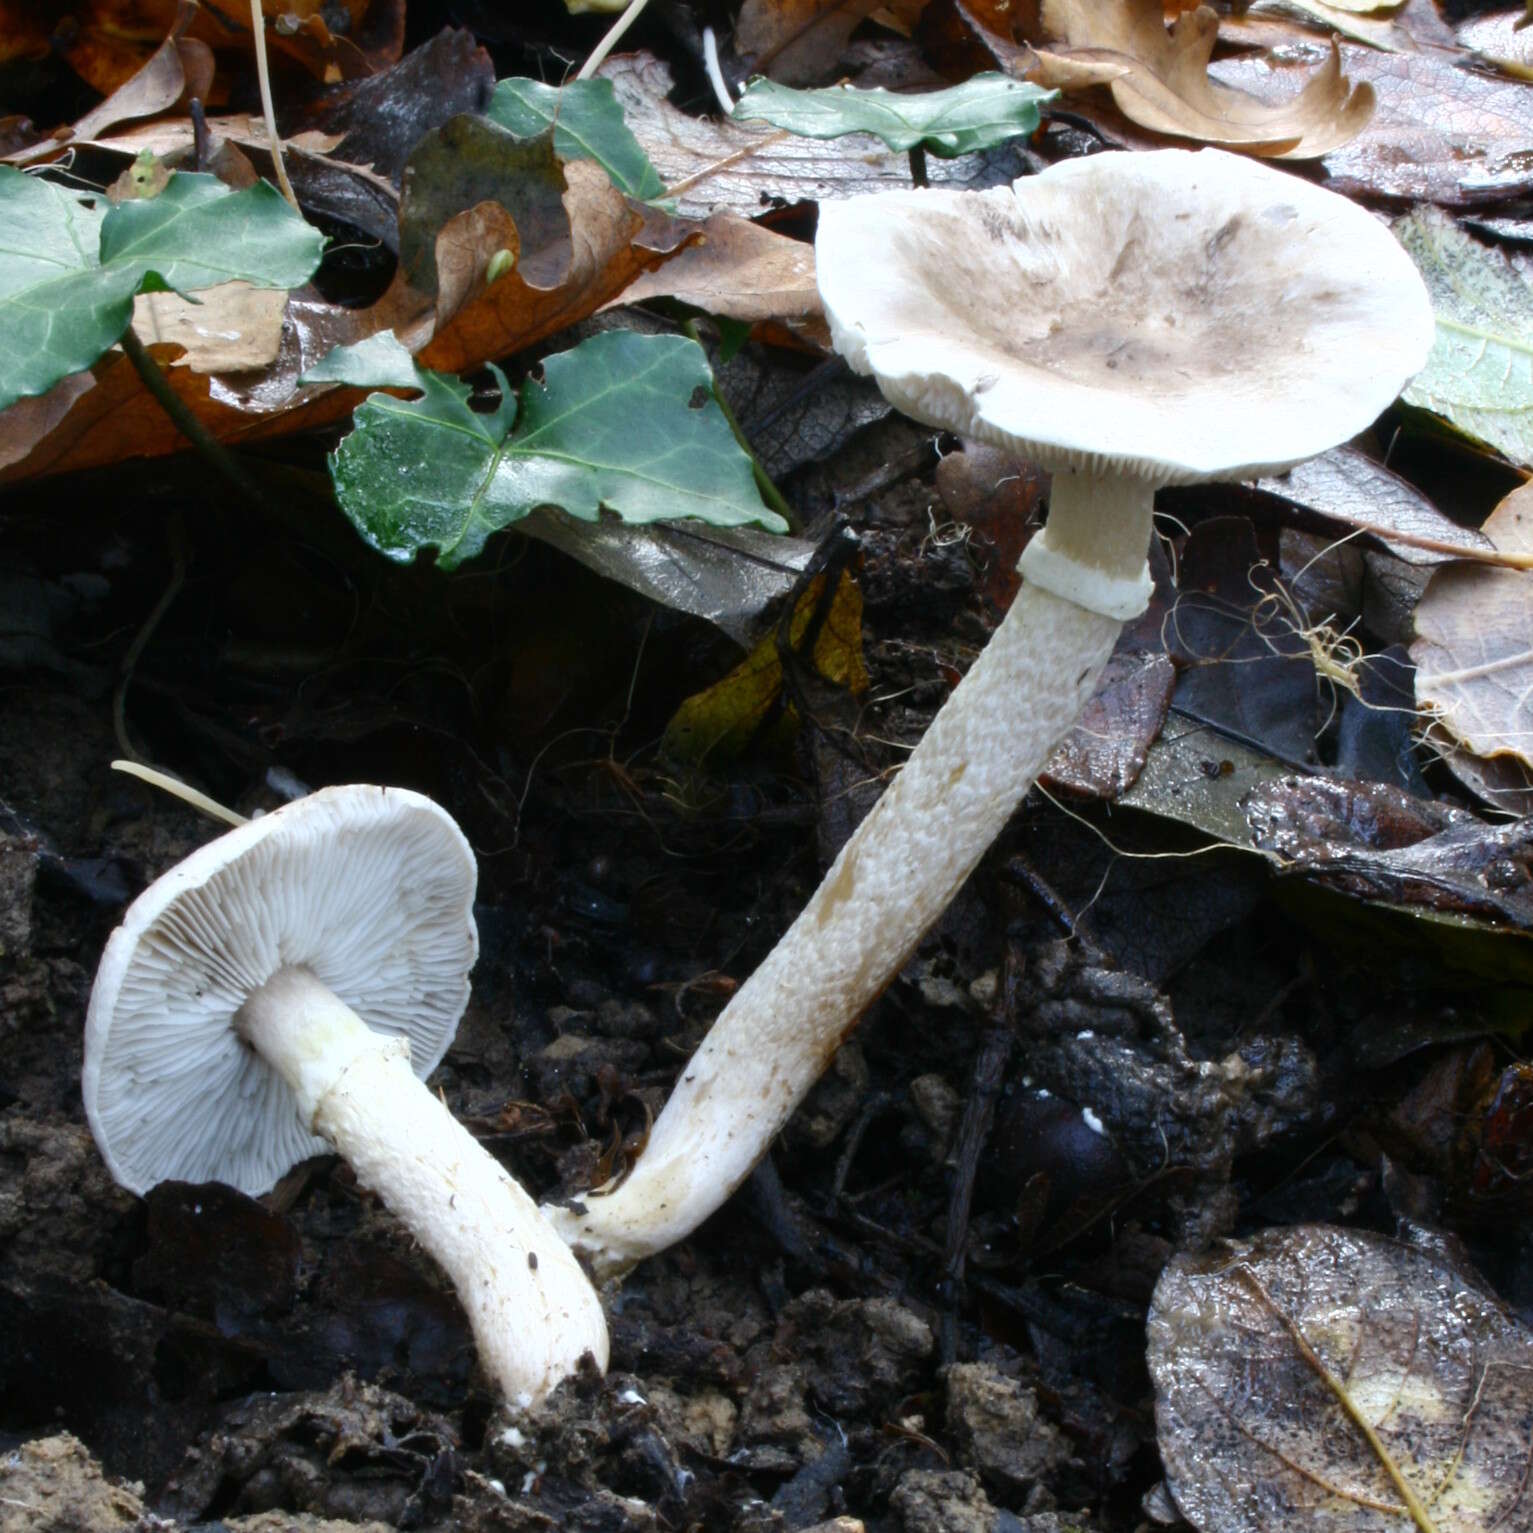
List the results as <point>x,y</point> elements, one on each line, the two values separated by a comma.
<point>1165,85</point>
<point>113,417</point>
<point>715,166</point>
<point>612,425</point>
<point>1105,751</point>
<point>230,328</point>
<point>1474,644</point>
<point>717,723</point>
<point>1334,1381</point>
<point>798,41</point>
<point>1439,133</point>
<point>737,270</point>
<point>571,243</point>
<point>1480,373</point>
<point>728,576</point>
<point>1347,487</point>
<point>180,68</point>
<point>1376,842</point>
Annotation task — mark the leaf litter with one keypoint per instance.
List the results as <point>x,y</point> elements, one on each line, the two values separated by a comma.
<point>505,252</point>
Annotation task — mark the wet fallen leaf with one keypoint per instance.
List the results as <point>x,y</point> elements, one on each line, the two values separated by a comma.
<point>985,110</point>
<point>1246,668</point>
<point>738,270</point>
<point>1334,1380</point>
<point>68,282</point>
<point>719,722</point>
<point>114,417</point>
<point>230,328</point>
<point>1286,24</point>
<point>24,424</point>
<point>1480,373</point>
<point>559,241</point>
<point>1105,751</point>
<point>612,425</point>
<point>1503,40</point>
<point>725,575</point>
<point>1439,133</point>
<point>1380,843</point>
<point>1167,88</point>
<point>587,124</point>
<point>1474,650</point>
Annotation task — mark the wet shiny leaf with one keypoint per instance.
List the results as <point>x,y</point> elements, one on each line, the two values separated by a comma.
<point>1339,1382</point>
<point>612,425</point>
<point>985,110</point>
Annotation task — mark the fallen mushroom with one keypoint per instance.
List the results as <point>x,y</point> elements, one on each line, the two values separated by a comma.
<point>283,992</point>
<point>1129,321</point>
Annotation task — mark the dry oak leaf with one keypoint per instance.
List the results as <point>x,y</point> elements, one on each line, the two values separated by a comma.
<point>610,242</point>
<point>1441,133</point>
<point>1335,1381</point>
<point>1474,644</point>
<point>179,69</point>
<point>737,270</point>
<point>1165,85</point>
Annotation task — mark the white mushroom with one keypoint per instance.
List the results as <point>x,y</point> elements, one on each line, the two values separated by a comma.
<point>283,992</point>
<point>1130,321</point>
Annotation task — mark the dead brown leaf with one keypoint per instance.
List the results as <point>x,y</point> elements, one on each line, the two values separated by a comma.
<point>798,42</point>
<point>179,69</point>
<point>1474,644</point>
<point>28,421</point>
<point>1326,1378</point>
<point>739,270</point>
<point>231,328</point>
<point>111,417</point>
<point>1441,134</point>
<point>1166,85</point>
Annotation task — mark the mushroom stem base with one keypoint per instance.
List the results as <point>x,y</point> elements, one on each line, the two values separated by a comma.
<point>533,1311</point>
<point>892,880</point>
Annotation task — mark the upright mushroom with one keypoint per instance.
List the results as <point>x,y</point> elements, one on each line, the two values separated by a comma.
<point>1129,321</point>
<point>283,992</point>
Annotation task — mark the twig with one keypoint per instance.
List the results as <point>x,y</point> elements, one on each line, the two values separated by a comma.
<point>214,451</point>
<point>697,177</point>
<point>263,78</point>
<point>607,44</point>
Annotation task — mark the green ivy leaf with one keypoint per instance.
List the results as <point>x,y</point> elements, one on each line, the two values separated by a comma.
<point>588,125</point>
<point>623,422</point>
<point>1480,373</point>
<point>69,267</point>
<point>982,112</point>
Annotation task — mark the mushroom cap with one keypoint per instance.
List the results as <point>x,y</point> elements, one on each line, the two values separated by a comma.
<point>371,889</point>
<point>1175,315</point>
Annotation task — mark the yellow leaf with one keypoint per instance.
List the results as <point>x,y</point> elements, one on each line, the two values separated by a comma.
<point>722,720</point>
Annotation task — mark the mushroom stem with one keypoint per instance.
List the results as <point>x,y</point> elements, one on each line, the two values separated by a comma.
<point>533,1311</point>
<point>892,880</point>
